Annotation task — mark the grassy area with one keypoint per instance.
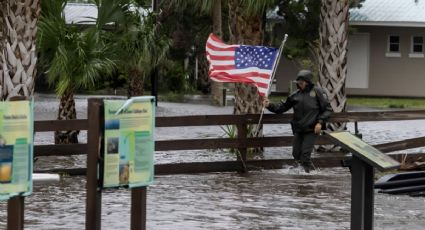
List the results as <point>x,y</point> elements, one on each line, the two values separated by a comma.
<point>375,102</point>
<point>401,103</point>
<point>171,97</point>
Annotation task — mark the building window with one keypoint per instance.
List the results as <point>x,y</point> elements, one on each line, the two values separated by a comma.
<point>417,47</point>
<point>417,44</point>
<point>393,46</point>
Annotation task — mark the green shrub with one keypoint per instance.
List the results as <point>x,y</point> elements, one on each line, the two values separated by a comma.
<point>174,78</point>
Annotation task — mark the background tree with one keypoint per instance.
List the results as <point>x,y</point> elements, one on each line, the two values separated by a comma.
<point>141,47</point>
<point>73,59</point>
<point>212,9</point>
<point>188,23</point>
<point>300,20</point>
<point>18,41</point>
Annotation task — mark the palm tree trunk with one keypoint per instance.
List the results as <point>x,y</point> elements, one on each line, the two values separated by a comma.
<point>247,100</point>
<point>2,43</point>
<point>67,112</point>
<point>18,55</point>
<point>135,84</point>
<point>216,87</point>
<point>333,54</point>
<point>204,83</point>
<point>2,22</point>
<point>217,19</point>
<point>248,30</point>
<point>245,29</point>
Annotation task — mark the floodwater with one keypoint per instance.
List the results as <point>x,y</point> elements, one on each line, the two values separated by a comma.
<point>269,199</point>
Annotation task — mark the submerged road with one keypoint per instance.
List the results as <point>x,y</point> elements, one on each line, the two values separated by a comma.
<point>272,199</point>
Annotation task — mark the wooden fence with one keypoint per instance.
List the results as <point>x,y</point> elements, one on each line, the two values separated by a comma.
<point>242,142</point>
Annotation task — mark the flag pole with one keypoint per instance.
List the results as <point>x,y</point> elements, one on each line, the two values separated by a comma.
<point>276,63</point>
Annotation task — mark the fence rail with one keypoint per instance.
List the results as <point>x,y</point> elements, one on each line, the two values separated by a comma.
<point>241,142</point>
<point>60,125</point>
<point>206,120</point>
<point>60,150</point>
<point>93,149</point>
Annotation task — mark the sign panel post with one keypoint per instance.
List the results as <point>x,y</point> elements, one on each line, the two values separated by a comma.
<point>16,149</point>
<point>128,157</point>
<point>16,157</point>
<point>129,142</point>
<point>362,194</point>
<point>94,148</point>
<point>365,159</point>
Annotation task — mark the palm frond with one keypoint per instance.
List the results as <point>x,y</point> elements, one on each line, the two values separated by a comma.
<point>74,58</point>
<point>58,73</point>
<point>52,28</point>
<point>255,7</point>
<point>196,6</point>
<point>53,9</point>
<point>111,12</point>
<point>143,45</point>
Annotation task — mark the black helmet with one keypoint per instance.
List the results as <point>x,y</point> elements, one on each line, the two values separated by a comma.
<point>305,75</point>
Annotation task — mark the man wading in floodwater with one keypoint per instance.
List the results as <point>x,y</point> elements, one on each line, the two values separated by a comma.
<point>311,110</point>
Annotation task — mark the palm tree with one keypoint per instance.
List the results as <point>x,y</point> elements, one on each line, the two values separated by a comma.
<point>140,46</point>
<point>73,59</point>
<point>18,41</point>
<point>333,53</point>
<point>247,27</point>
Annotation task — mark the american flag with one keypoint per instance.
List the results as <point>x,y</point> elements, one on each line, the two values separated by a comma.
<point>241,63</point>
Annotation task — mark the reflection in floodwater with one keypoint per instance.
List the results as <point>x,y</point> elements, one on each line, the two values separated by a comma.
<point>270,199</point>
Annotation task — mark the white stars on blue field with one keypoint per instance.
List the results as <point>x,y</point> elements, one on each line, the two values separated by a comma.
<point>255,56</point>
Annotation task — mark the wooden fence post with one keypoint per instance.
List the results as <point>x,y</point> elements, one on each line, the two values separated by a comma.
<point>242,134</point>
<point>15,213</point>
<point>94,146</point>
<point>138,208</point>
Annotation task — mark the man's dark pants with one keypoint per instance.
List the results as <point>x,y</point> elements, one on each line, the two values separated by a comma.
<point>303,146</point>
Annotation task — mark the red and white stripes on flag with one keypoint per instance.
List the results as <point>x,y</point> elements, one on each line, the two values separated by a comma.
<point>241,63</point>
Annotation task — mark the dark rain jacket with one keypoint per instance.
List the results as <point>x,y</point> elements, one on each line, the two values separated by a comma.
<point>310,107</point>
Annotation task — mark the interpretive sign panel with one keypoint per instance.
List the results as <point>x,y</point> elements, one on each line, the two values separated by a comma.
<point>16,148</point>
<point>129,142</point>
<point>363,150</point>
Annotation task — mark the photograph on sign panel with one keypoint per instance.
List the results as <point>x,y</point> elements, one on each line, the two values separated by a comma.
<point>124,173</point>
<point>6,160</point>
<point>112,145</point>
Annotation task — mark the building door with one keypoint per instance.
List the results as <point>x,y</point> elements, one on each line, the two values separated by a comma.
<point>358,61</point>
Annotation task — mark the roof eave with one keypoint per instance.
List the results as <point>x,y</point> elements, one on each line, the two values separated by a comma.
<point>392,24</point>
